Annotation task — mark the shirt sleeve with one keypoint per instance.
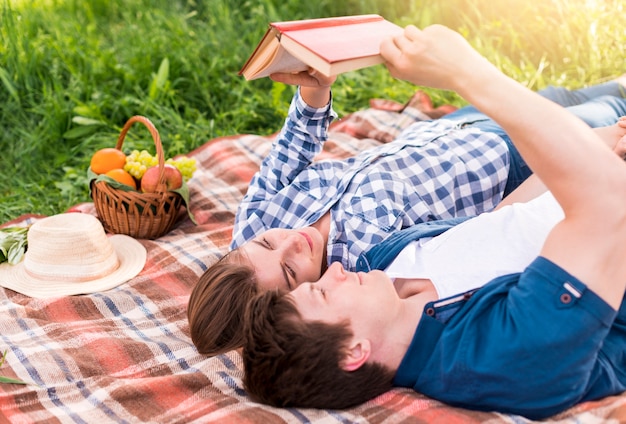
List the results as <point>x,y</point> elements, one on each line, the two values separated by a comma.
<point>300,140</point>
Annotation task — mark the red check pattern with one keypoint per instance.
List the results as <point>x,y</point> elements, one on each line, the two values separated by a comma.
<point>125,356</point>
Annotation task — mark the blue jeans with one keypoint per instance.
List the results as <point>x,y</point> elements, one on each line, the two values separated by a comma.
<point>599,105</point>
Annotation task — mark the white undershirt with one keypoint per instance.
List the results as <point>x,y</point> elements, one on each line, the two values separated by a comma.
<point>480,249</point>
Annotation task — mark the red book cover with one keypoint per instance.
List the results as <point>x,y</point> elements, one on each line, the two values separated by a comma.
<point>330,45</point>
<point>325,22</point>
<point>342,39</point>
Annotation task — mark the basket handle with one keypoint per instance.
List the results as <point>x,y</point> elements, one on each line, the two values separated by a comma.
<point>157,142</point>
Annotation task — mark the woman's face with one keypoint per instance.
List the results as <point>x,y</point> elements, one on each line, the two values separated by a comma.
<point>286,258</point>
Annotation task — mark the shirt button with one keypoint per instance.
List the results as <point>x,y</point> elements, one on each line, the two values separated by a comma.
<point>566,298</point>
<point>430,312</point>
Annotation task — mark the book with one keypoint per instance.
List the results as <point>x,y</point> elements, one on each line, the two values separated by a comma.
<point>330,45</point>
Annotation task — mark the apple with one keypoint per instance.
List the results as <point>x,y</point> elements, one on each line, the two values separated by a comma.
<point>150,179</point>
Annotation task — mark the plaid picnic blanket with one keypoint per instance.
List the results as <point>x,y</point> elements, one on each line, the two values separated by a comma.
<point>125,355</point>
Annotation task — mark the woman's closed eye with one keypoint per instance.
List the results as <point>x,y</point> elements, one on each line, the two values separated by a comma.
<point>267,243</point>
<point>288,271</point>
<point>292,274</point>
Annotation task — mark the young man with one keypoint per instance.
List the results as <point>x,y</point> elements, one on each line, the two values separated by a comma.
<point>531,343</point>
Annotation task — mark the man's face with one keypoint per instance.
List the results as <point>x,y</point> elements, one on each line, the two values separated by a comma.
<point>367,300</point>
<point>285,258</point>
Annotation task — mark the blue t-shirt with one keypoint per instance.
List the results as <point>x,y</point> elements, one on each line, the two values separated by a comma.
<point>532,343</point>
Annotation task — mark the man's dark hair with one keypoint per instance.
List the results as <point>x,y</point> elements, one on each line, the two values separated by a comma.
<point>290,362</point>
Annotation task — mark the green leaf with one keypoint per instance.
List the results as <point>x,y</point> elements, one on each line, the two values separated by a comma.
<point>8,379</point>
<point>11,380</point>
<point>113,183</point>
<point>82,120</point>
<point>184,192</point>
<point>16,252</point>
<point>13,243</point>
<point>78,132</point>
<point>82,110</point>
<point>160,79</point>
<point>4,77</point>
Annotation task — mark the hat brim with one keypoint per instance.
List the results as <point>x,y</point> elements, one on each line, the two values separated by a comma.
<point>131,255</point>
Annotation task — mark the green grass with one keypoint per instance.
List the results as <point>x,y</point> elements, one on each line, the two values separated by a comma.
<point>73,71</point>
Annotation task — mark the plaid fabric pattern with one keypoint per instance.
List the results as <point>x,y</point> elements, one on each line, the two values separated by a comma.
<point>433,170</point>
<point>125,356</point>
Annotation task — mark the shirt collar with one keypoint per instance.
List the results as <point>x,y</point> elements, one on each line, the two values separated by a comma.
<point>431,326</point>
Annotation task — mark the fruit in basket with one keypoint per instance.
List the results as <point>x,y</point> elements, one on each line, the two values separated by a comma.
<point>150,178</point>
<point>137,162</point>
<point>123,177</point>
<point>107,159</point>
<point>186,166</point>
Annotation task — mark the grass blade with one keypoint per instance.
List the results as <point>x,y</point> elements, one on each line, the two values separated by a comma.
<point>8,380</point>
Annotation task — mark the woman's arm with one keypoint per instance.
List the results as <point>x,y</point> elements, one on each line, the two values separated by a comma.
<point>294,148</point>
<point>314,87</point>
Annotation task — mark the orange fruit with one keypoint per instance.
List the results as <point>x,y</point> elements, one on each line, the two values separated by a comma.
<point>107,159</point>
<point>122,176</point>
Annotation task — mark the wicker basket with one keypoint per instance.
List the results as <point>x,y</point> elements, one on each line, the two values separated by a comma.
<point>139,215</point>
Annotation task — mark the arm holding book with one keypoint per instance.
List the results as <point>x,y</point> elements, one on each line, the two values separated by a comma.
<point>299,141</point>
<point>533,186</point>
<point>588,179</point>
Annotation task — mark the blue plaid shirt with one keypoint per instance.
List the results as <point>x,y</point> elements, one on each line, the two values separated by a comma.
<point>433,170</point>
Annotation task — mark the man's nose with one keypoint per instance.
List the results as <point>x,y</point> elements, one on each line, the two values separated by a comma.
<point>333,276</point>
<point>337,272</point>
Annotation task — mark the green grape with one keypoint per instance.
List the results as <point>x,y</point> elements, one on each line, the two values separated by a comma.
<point>186,166</point>
<point>137,162</point>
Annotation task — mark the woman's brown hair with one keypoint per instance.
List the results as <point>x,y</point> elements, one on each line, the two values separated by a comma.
<point>217,305</point>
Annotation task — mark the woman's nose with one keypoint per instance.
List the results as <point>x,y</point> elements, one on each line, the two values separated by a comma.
<point>293,243</point>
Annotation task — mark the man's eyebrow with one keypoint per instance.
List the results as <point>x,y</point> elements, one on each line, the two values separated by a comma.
<point>317,295</point>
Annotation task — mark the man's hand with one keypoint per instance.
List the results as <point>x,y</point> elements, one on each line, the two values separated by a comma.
<point>435,57</point>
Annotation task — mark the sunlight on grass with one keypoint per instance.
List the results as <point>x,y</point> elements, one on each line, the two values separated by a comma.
<point>72,72</point>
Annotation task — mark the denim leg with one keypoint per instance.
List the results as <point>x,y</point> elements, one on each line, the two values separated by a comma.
<point>466,114</point>
<point>602,105</point>
<point>566,97</point>
<point>600,111</point>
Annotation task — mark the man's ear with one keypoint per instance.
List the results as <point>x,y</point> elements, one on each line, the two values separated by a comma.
<point>356,355</point>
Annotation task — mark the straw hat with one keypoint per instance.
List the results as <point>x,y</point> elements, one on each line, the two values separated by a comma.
<point>71,254</point>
